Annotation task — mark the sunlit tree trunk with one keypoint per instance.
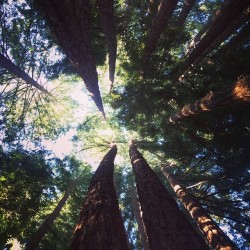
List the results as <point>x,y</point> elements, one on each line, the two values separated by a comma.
<point>166,226</point>
<point>138,217</point>
<point>12,68</point>
<point>164,14</point>
<point>240,92</point>
<point>70,22</point>
<point>106,10</point>
<point>216,238</point>
<point>231,10</point>
<point>100,225</point>
<point>35,240</point>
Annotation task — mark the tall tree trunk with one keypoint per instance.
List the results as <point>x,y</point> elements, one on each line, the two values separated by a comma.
<point>239,92</point>
<point>236,24</point>
<point>166,225</point>
<point>70,21</point>
<point>35,240</point>
<point>100,225</point>
<point>216,238</point>
<point>106,10</point>
<point>231,10</point>
<point>12,68</point>
<point>138,217</point>
<point>165,12</point>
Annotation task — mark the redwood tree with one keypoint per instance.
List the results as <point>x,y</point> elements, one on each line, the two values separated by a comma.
<point>239,92</point>
<point>166,226</point>
<point>36,238</point>
<point>70,22</point>
<point>216,238</point>
<point>100,225</point>
<point>12,68</point>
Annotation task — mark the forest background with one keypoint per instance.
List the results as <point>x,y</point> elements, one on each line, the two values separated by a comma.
<point>130,80</point>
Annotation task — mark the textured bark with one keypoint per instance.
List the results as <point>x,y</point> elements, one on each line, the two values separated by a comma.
<point>138,217</point>
<point>239,92</point>
<point>228,12</point>
<point>166,225</point>
<point>35,240</point>
<point>106,10</point>
<point>233,27</point>
<point>164,14</point>
<point>216,238</point>
<point>100,225</point>
<point>12,68</point>
<point>70,22</point>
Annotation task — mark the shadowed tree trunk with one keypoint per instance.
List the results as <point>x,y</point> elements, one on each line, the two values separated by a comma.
<point>166,225</point>
<point>231,10</point>
<point>164,14</point>
<point>188,5</point>
<point>100,225</point>
<point>106,10</point>
<point>236,24</point>
<point>216,238</point>
<point>70,22</point>
<point>35,240</point>
<point>12,68</point>
<point>138,217</point>
<point>240,92</point>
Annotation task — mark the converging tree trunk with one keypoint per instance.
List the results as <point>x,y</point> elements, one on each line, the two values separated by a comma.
<point>12,68</point>
<point>187,6</point>
<point>138,217</point>
<point>70,22</point>
<point>100,225</point>
<point>106,10</point>
<point>230,10</point>
<point>166,226</point>
<point>164,14</point>
<point>239,92</point>
<point>216,238</point>
<point>35,240</point>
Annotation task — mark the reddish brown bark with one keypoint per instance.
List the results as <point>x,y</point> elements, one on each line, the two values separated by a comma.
<point>12,68</point>
<point>165,12</point>
<point>166,225</point>
<point>35,240</point>
<point>70,22</point>
<point>239,92</point>
<point>230,10</point>
<point>216,238</point>
<point>138,217</point>
<point>100,225</point>
<point>106,10</point>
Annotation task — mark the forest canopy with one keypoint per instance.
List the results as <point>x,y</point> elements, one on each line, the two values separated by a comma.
<point>171,75</point>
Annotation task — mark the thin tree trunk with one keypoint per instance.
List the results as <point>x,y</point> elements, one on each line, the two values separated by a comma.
<point>188,5</point>
<point>106,10</point>
<point>70,22</point>
<point>138,217</point>
<point>165,12</point>
<point>166,225</point>
<point>239,92</point>
<point>216,238</point>
<point>35,240</point>
<point>100,225</point>
<point>12,68</point>
<point>231,10</point>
